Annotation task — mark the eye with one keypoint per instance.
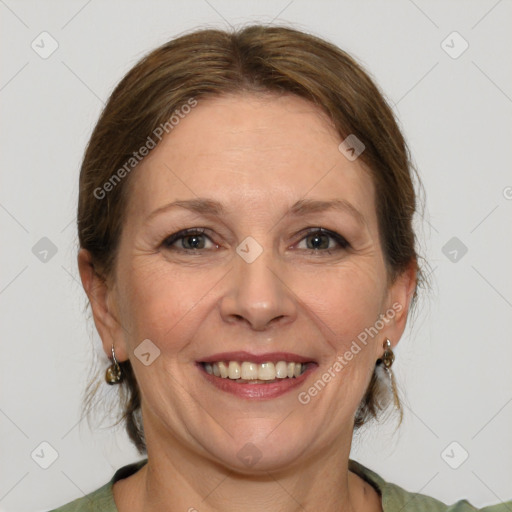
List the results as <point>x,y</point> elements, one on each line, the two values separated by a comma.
<point>320,240</point>
<point>192,239</point>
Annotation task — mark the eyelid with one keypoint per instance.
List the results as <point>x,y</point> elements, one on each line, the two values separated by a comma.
<point>342,242</point>
<point>169,240</point>
<point>340,239</point>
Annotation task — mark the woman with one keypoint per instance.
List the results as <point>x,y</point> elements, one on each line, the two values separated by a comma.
<point>245,224</point>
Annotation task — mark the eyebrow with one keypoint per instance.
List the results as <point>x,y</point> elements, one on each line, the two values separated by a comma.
<point>305,206</point>
<point>301,207</point>
<point>199,205</point>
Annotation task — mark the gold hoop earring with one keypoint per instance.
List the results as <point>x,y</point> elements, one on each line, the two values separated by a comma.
<point>114,375</point>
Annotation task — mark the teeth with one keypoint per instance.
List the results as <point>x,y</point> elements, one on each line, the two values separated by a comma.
<point>267,371</point>
<point>249,371</point>
<point>234,370</point>
<point>252,372</point>
<point>281,370</point>
<point>224,372</point>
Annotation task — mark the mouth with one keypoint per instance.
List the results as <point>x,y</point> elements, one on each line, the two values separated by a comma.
<point>247,372</point>
<point>256,376</point>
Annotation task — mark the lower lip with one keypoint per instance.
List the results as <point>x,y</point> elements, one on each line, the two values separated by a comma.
<point>257,391</point>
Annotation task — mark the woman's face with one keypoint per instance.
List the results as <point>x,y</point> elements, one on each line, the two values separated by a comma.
<point>282,263</point>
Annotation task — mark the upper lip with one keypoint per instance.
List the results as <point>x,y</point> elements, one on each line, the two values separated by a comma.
<point>256,358</point>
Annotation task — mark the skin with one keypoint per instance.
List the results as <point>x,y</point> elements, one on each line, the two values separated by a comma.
<point>256,155</point>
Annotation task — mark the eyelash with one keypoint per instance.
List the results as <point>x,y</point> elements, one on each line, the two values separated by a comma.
<point>181,235</point>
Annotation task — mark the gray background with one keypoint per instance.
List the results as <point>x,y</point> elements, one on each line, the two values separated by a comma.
<point>453,365</point>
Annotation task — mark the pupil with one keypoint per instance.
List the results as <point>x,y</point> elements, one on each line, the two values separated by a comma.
<point>195,242</point>
<point>317,241</point>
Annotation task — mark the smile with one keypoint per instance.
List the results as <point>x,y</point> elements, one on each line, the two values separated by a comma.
<point>247,372</point>
<point>256,376</point>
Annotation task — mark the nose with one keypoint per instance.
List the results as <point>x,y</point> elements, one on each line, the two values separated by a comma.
<point>258,295</point>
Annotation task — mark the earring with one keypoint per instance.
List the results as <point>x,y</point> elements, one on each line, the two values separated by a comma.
<point>383,366</point>
<point>114,375</point>
<point>385,362</point>
<point>388,357</point>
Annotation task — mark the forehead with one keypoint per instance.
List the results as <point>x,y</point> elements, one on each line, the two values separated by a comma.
<point>249,149</point>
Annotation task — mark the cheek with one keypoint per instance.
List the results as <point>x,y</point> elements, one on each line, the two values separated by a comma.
<point>344,306</point>
<point>346,300</point>
<point>166,305</point>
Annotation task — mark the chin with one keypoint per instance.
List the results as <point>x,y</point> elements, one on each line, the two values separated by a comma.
<point>264,451</point>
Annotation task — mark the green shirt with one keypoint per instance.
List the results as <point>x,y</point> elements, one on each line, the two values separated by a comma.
<point>394,498</point>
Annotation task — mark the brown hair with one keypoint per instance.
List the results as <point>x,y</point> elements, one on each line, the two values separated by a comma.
<point>211,62</point>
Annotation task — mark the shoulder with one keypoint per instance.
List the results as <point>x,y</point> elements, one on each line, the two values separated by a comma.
<point>102,499</point>
<point>395,498</point>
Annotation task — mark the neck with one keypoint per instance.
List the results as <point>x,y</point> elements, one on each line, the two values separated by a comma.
<point>177,478</point>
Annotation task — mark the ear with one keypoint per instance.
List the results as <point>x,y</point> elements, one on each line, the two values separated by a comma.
<point>101,298</point>
<point>399,300</point>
